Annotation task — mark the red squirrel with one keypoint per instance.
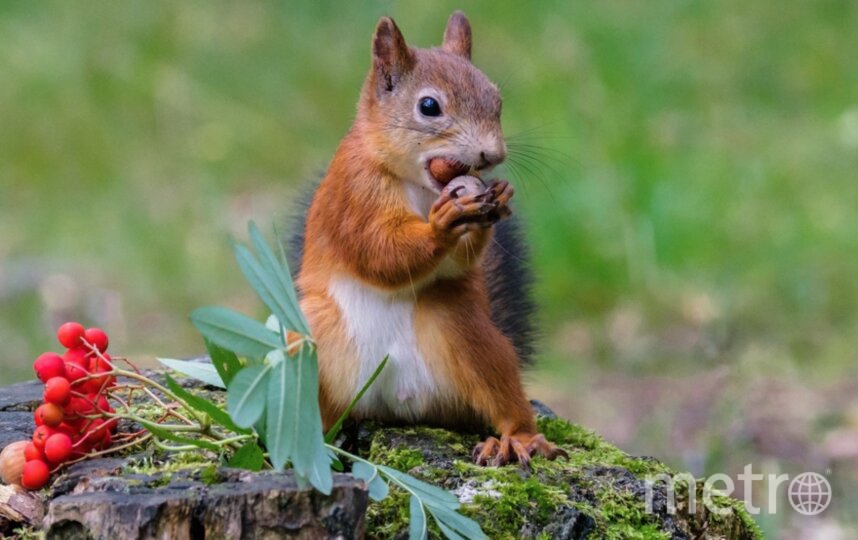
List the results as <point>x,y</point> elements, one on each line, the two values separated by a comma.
<point>391,266</point>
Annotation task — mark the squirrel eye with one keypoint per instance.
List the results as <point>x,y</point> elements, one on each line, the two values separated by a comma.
<point>429,107</point>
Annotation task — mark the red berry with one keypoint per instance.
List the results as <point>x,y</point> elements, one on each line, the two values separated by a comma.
<point>58,391</point>
<point>58,448</point>
<point>48,366</point>
<point>96,337</point>
<point>79,406</point>
<point>41,435</point>
<point>31,452</point>
<point>101,404</point>
<point>69,335</point>
<point>96,430</point>
<point>75,372</point>
<point>107,441</point>
<point>35,475</point>
<point>112,424</point>
<point>50,414</point>
<point>78,356</point>
<point>68,428</point>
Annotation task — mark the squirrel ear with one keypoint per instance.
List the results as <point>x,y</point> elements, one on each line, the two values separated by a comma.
<point>391,57</point>
<point>457,36</point>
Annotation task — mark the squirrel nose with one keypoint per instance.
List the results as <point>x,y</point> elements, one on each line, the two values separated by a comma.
<point>489,159</point>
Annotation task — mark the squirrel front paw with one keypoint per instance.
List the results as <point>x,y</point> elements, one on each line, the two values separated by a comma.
<point>518,447</point>
<point>501,193</point>
<point>451,217</point>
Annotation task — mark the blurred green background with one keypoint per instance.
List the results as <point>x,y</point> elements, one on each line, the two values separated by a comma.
<point>688,183</point>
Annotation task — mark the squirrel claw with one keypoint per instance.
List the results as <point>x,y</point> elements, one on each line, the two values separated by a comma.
<point>512,448</point>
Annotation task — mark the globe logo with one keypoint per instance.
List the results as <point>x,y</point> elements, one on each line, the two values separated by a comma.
<point>809,493</point>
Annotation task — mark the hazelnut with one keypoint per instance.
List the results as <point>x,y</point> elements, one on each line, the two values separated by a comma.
<point>12,461</point>
<point>443,170</point>
<point>464,186</point>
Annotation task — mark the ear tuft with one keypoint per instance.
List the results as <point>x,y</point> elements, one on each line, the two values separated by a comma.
<point>457,36</point>
<point>391,58</point>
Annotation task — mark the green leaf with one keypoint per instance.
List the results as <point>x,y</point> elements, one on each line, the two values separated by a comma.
<point>280,436</point>
<point>196,370</point>
<point>225,362</point>
<point>449,533</point>
<point>267,287</point>
<point>417,520</point>
<point>249,457</point>
<point>334,431</point>
<point>218,415</point>
<point>456,521</point>
<point>162,433</point>
<point>431,495</point>
<point>245,398</point>
<point>281,282</point>
<point>378,488</point>
<point>303,420</point>
<point>235,332</point>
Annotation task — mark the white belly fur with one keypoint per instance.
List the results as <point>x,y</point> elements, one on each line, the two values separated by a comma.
<point>381,323</point>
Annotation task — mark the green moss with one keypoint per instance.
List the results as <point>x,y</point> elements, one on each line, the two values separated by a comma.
<point>28,533</point>
<point>620,515</point>
<point>210,475</point>
<point>600,481</point>
<point>400,458</point>
<point>514,503</point>
<point>389,517</point>
<point>565,433</point>
<point>164,465</point>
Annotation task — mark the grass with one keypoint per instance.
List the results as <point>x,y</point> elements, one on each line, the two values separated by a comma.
<point>688,177</point>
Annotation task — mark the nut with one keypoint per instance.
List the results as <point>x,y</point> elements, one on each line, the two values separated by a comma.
<point>465,185</point>
<point>443,170</point>
<point>12,462</point>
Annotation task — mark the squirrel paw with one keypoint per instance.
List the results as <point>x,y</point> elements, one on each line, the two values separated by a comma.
<point>453,217</point>
<point>515,448</point>
<point>501,193</point>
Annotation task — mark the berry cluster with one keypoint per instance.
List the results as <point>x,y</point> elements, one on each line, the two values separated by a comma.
<point>75,417</point>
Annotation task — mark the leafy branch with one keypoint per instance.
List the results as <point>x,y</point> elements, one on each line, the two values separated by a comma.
<point>273,398</point>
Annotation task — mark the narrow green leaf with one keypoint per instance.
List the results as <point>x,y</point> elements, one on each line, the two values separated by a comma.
<point>249,457</point>
<point>431,495</point>
<point>235,332</point>
<point>196,370</point>
<point>378,488</point>
<point>268,288</point>
<point>245,398</point>
<point>335,430</point>
<point>225,362</point>
<point>280,436</point>
<point>364,471</point>
<point>448,532</point>
<point>456,521</point>
<point>218,415</point>
<point>417,520</point>
<point>281,271</point>
<point>309,455</point>
<point>161,433</point>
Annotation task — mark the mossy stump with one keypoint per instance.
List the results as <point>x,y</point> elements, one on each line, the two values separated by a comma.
<point>598,493</point>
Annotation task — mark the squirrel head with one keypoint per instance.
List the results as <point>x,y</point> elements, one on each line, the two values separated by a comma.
<point>422,104</point>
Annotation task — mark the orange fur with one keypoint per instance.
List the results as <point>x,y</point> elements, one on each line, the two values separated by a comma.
<point>362,225</point>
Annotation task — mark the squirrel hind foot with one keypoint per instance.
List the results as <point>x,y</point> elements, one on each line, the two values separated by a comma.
<point>515,448</point>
